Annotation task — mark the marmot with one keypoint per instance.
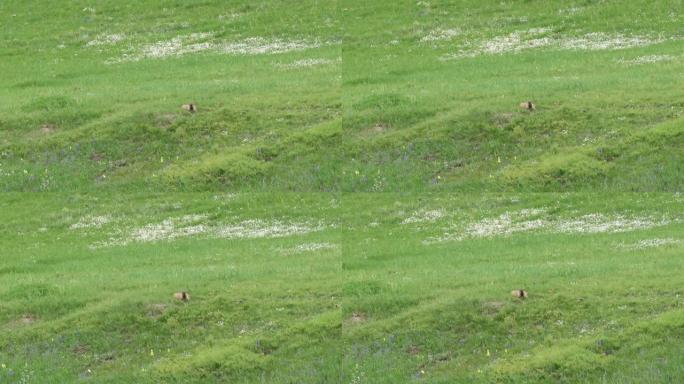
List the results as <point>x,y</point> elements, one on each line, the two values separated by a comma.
<point>519,293</point>
<point>189,107</point>
<point>182,296</point>
<point>528,105</point>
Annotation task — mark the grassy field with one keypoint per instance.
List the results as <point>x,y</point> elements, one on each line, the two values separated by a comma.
<point>429,277</point>
<point>374,288</point>
<point>96,104</point>
<point>355,198</point>
<point>356,96</point>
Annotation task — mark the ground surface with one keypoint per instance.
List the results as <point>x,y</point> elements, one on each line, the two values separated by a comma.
<point>377,288</point>
<point>355,199</point>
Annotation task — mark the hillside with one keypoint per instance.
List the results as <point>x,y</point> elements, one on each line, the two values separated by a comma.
<point>431,93</point>
<point>342,97</point>
<point>356,198</point>
<point>96,103</point>
<point>371,288</point>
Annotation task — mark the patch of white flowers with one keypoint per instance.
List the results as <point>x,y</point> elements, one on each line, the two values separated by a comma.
<point>4,172</point>
<point>87,222</point>
<point>441,35</point>
<point>570,11</point>
<point>206,42</point>
<point>425,216</point>
<point>604,41</point>
<point>650,59</point>
<point>257,228</point>
<point>105,39</point>
<point>229,17</point>
<point>169,229</point>
<point>260,46</point>
<point>308,247</point>
<point>519,41</point>
<point>651,243</point>
<point>226,196</point>
<point>197,225</point>
<point>530,220</point>
<point>598,223</point>
<point>305,63</point>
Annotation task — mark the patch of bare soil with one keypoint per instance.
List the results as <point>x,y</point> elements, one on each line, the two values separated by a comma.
<point>166,120</point>
<point>156,310</point>
<point>24,320</point>
<point>47,129</point>
<point>413,350</point>
<point>503,119</point>
<point>80,349</point>
<point>357,318</point>
<point>492,308</point>
<point>376,129</point>
<point>97,157</point>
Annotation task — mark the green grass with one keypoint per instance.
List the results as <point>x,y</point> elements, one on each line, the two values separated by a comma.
<point>457,118</point>
<point>380,305</point>
<point>248,316</point>
<point>355,199</point>
<point>250,106</point>
<point>385,111</point>
<point>434,310</point>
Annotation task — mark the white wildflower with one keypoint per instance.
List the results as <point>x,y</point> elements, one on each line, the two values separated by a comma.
<point>651,243</point>
<point>106,40</point>
<point>519,41</point>
<point>308,63</point>
<point>308,247</point>
<point>91,222</point>
<point>650,59</point>
<point>441,35</point>
<point>510,223</point>
<point>207,43</point>
<point>425,216</point>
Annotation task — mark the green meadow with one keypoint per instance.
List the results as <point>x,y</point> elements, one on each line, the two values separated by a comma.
<point>355,198</point>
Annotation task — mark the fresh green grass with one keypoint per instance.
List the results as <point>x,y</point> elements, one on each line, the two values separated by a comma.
<point>110,310</point>
<point>378,303</point>
<point>355,199</point>
<point>598,310</point>
<point>459,119</point>
<point>382,106</point>
<point>120,125</point>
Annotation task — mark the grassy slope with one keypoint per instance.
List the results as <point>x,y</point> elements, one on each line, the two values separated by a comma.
<point>459,119</point>
<point>382,307</point>
<point>598,311</point>
<point>108,313</point>
<point>256,118</point>
<point>383,114</point>
<point>392,116</point>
